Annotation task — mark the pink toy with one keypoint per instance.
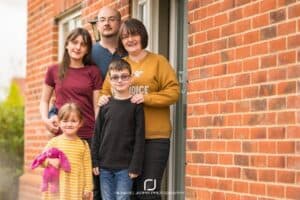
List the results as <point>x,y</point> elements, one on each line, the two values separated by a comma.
<point>51,174</point>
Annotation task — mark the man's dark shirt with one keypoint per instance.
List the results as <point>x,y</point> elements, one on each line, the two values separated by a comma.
<point>102,58</point>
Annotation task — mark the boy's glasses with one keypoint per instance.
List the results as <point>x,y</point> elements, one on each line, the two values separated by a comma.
<point>123,77</point>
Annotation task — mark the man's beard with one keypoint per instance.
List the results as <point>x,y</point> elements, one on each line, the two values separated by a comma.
<point>109,35</point>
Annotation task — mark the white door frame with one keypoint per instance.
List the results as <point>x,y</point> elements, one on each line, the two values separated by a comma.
<point>150,20</point>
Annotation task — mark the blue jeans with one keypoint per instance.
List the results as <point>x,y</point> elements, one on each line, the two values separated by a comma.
<point>115,184</point>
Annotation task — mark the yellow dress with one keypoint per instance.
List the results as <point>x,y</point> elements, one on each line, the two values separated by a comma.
<point>73,184</point>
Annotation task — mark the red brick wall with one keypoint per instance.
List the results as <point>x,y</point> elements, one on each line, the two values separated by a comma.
<point>42,49</point>
<point>243,135</point>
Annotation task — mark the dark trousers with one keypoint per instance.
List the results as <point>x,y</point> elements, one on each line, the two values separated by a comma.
<point>147,185</point>
<point>96,191</point>
<point>96,181</point>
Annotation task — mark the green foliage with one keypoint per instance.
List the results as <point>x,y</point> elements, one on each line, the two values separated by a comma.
<point>12,128</point>
<point>11,143</point>
<point>14,97</point>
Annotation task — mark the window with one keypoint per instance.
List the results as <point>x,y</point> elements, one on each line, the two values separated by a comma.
<point>65,26</point>
<point>147,12</point>
<point>142,10</point>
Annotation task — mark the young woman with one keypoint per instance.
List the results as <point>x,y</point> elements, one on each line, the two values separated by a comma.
<point>75,79</point>
<point>156,86</point>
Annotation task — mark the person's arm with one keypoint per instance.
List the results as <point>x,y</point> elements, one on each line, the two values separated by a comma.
<point>106,87</point>
<point>95,102</point>
<point>53,161</point>
<point>168,84</point>
<point>168,92</point>
<point>105,92</point>
<point>135,166</point>
<point>51,124</point>
<point>87,167</point>
<point>96,142</point>
<point>97,81</point>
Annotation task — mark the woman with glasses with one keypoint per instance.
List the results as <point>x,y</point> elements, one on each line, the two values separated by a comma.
<point>155,85</point>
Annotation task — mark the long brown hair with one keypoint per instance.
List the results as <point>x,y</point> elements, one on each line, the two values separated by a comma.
<point>87,59</point>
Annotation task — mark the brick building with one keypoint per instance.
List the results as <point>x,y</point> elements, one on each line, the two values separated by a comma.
<point>237,123</point>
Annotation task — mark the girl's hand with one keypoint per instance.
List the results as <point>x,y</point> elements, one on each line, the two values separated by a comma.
<point>137,98</point>
<point>103,100</point>
<point>87,195</point>
<point>132,175</point>
<point>96,171</point>
<point>52,124</point>
<point>54,162</point>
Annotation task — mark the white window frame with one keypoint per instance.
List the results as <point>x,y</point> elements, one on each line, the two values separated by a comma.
<point>70,18</point>
<point>173,61</point>
<point>150,20</point>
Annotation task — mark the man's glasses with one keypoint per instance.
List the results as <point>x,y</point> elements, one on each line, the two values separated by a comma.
<point>122,77</point>
<point>108,19</point>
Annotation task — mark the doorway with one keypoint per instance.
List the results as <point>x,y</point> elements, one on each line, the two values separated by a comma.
<point>167,28</point>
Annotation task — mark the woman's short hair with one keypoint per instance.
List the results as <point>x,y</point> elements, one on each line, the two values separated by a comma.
<point>133,26</point>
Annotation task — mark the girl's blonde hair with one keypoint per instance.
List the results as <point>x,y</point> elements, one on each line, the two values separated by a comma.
<point>66,110</point>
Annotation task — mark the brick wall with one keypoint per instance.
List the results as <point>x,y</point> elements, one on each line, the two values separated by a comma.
<point>42,49</point>
<point>243,135</point>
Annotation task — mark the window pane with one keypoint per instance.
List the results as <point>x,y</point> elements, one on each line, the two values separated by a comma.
<point>66,25</point>
<point>142,12</point>
<point>65,31</point>
<point>144,15</point>
<point>77,21</point>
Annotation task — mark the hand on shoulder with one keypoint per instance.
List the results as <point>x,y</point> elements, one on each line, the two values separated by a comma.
<point>103,100</point>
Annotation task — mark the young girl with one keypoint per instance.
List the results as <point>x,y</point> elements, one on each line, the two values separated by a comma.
<point>76,184</point>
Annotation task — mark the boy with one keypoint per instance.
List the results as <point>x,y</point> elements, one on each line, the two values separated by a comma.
<point>118,142</point>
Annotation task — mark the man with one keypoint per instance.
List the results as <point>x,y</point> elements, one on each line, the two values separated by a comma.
<point>104,51</point>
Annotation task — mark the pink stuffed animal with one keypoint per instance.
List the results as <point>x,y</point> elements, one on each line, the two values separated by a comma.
<point>51,174</point>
